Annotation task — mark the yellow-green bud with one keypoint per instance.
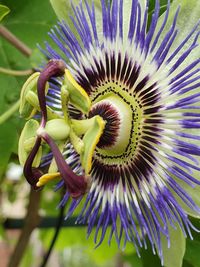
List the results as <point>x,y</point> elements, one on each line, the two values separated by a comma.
<point>58,129</point>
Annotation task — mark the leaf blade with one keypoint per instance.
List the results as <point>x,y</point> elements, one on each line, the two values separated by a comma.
<point>4,10</point>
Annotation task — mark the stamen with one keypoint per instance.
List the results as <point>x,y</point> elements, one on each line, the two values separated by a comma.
<point>44,179</point>
<point>76,185</point>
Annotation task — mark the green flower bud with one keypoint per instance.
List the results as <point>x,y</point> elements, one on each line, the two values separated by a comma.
<point>58,129</point>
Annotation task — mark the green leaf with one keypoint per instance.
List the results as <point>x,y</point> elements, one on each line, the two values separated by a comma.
<point>187,264</point>
<point>163,7</point>
<point>73,236</point>
<point>2,230</point>
<point>9,85</point>
<point>173,256</point>
<point>30,20</point>
<point>148,257</point>
<point>133,260</point>
<point>7,142</point>
<point>30,24</point>
<point>192,253</point>
<point>4,10</point>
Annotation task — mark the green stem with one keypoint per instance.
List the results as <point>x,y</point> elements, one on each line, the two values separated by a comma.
<point>16,72</point>
<point>9,112</point>
<point>12,39</point>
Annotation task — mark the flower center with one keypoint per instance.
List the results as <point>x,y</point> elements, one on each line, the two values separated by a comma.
<point>117,115</point>
<point>123,114</point>
<point>111,116</point>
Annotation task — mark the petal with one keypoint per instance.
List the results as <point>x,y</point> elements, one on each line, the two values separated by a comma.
<point>194,192</point>
<point>174,256</point>
<point>187,20</point>
<point>64,8</point>
<point>127,7</point>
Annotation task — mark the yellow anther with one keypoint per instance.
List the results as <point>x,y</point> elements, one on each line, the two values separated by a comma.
<point>44,179</point>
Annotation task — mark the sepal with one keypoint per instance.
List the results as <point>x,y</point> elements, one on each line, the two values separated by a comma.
<point>27,141</point>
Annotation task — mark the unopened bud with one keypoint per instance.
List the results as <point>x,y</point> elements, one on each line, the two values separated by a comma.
<point>58,129</point>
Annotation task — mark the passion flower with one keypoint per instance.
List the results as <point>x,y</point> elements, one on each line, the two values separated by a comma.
<point>121,122</point>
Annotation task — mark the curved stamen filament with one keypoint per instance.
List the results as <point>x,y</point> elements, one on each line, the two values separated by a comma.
<point>76,184</point>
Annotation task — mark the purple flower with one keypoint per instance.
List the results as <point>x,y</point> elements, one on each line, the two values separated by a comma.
<point>145,86</point>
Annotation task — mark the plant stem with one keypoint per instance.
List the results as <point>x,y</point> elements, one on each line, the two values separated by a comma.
<point>31,222</point>
<point>57,230</point>
<point>11,38</point>
<point>9,112</point>
<point>16,72</point>
<point>119,260</point>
